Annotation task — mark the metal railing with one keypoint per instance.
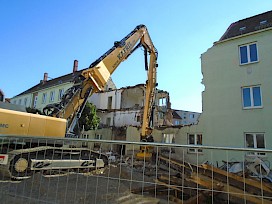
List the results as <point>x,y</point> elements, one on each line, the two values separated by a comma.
<point>175,173</point>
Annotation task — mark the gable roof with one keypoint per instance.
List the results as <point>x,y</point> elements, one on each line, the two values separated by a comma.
<point>248,25</point>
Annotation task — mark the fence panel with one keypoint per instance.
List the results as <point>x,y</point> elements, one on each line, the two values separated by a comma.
<point>47,170</point>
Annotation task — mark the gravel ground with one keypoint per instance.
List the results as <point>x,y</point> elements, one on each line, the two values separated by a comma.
<point>110,185</point>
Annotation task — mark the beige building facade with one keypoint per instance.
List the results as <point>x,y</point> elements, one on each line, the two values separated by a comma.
<point>237,97</point>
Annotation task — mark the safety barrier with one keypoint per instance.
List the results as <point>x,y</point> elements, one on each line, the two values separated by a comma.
<point>65,171</point>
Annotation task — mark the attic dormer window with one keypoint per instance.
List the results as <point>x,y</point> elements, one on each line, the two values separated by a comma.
<point>263,22</point>
<point>242,28</point>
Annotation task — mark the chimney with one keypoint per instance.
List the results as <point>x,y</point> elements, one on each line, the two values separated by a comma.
<point>45,77</point>
<point>75,66</point>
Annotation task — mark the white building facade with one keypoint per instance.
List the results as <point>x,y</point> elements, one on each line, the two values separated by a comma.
<point>124,106</point>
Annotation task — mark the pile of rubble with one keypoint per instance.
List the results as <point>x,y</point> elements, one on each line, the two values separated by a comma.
<point>182,182</point>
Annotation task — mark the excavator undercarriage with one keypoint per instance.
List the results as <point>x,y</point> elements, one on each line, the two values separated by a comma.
<point>20,159</point>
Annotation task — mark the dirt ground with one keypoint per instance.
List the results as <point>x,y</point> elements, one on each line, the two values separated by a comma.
<point>109,185</point>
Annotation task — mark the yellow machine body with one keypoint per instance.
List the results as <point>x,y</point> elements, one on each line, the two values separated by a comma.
<point>27,124</point>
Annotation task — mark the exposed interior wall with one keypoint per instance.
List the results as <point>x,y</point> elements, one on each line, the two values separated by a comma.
<point>101,100</point>
<point>124,107</point>
<point>127,117</point>
<point>163,113</point>
<point>132,97</point>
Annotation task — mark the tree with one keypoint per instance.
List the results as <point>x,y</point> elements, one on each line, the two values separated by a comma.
<point>89,118</point>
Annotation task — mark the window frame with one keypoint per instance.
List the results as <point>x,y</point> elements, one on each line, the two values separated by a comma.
<point>252,106</point>
<point>138,118</point>
<point>255,144</point>
<point>52,96</point>
<point>168,138</point>
<point>98,136</point>
<point>163,102</point>
<point>108,121</point>
<point>249,61</point>
<point>161,115</point>
<point>35,101</point>
<point>109,104</point>
<point>25,102</point>
<point>196,142</point>
<point>44,96</point>
<point>177,122</point>
<point>61,93</point>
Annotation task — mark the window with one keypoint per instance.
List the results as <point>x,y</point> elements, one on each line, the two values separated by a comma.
<point>35,101</point>
<point>98,137</point>
<point>162,102</point>
<point>242,28</point>
<point>61,92</point>
<point>20,101</point>
<point>110,102</point>
<point>85,136</point>
<point>252,97</point>
<point>44,97</point>
<point>52,96</point>
<point>195,139</point>
<point>177,122</point>
<point>248,53</point>
<point>108,121</point>
<point>161,115</point>
<point>255,140</point>
<point>168,138</point>
<point>25,102</point>
<point>263,22</point>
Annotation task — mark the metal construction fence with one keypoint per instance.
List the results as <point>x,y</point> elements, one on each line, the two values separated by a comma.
<point>47,170</point>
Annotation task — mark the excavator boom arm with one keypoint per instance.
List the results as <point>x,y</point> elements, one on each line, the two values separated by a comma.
<point>96,76</point>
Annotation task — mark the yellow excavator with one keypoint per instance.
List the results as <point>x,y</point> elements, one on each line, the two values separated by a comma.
<point>20,159</point>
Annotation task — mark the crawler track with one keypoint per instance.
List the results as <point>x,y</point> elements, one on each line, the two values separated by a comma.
<point>23,163</point>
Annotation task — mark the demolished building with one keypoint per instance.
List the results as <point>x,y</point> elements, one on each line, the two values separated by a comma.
<point>124,107</point>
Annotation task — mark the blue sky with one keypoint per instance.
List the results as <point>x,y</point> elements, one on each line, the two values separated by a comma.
<point>46,36</point>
